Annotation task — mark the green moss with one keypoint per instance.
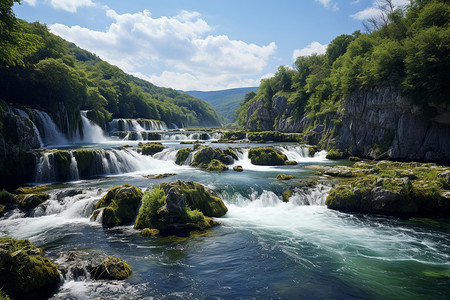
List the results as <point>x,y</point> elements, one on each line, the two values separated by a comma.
<point>334,154</point>
<point>149,232</point>
<point>286,195</point>
<point>120,205</point>
<point>30,201</point>
<point>205,155</point>
<point>62,160</point>
<point>24,271</point>
<point>354,158</point>
<point>182,155</point>
<point>84,161</point>
<point>197,197</point>
<point>113,268</point>
<point>238,169</point>
<point>150,214</point>
<point>291,163</point>
<point>216,165</point>
<point>266,156</point>
<point>275,136</point>
<point>231,153</point>
<point>152,148</point>
<point>284,177</point>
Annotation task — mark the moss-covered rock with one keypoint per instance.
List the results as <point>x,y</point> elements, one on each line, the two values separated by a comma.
<point>291,163</point>
<point>152,148</point>
<point>284,177</point>
<point>24,273</point>
<point>216,165</point>
<point>7,202</point>
<point>334,154</point>
<point>230,152</point>
<point>206,154</point>
<point>120,205</point>
<point>392,188</point>
<point>182,155</point>
<point>354,158</point>
<point>286,195</point>
<point>178,208</point>
<point>84,160</point>
<point>149,232</point>
<point>266,156</point>
<point>238,169</point>
<point>274,136</point>
<point>113,268</point>
<point>29,201</point>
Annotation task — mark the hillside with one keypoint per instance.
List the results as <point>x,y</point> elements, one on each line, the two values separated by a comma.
<point>225,102</point>
<point>383,94</point>
<point>41,70</point>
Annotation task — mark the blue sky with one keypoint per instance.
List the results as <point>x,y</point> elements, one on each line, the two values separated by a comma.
<point>200,44</point>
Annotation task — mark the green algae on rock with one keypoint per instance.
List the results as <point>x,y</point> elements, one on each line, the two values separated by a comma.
<point>179,207</point>
<point>216,165</point>
<point>152,148</point>
<point>113,268</point>
<point>266,156</point>
<point>284,177</point>
<point>206,154</point>
<point>24,273</point>
<point>392,188</point>
<point>119,205</point>
<point>182,155</point>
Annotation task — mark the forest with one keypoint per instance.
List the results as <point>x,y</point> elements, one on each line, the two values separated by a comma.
<point>406,49</point>
<point>39,69</point>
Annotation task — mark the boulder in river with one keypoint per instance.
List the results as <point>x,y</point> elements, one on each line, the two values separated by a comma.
<point>24,273</point>
<point>179,207</point>
<point>119,205</point>
<point>266,156</point>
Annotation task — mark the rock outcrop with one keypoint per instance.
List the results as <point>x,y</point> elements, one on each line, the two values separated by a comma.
<point>119,205</point>
<point>178,208</point>
<point>24,273</point>
<point>380,123</point>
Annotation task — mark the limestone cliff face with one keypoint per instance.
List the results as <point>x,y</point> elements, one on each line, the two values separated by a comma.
<point>17,136</point>
<point>384,123</point>
<point>377,124</point>
<point>277,116</point>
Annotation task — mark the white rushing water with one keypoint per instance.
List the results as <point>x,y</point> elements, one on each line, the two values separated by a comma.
<point>48,130</point>
<point>92,133</point>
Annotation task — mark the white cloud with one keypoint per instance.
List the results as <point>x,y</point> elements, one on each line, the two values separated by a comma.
<point>374,10</point>
<point>31,2</point>
<point>69,5</point>
<point>355,2</point>
<point>174,51</point>
<point>313,48</point>
<point>328,4</point>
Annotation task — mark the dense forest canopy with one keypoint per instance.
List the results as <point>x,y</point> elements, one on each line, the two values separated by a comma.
<point>408,49</point>
<point>40,69</point>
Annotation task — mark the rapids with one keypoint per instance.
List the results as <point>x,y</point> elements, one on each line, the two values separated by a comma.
<point>264,248</point>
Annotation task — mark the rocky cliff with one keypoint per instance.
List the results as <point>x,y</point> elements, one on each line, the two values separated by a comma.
<point>379,123</point>
<point>17,136</point>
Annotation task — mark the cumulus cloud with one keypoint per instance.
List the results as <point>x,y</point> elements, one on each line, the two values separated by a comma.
<point>70,5</point>
<point>313,48</point>
<point>328,4</point>
<point>31,2</point>
<point>179,45</point>
<point>375,10</point>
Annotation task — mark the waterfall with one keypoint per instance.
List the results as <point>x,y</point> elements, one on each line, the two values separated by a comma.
<point>49,132</point>
<point>71,165</point>
<point>92,133</point>
<point>300,153</point>
<point>138,125</point>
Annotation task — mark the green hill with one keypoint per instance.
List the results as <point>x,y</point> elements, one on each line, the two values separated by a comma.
<point>225,102</point>
<point>41,70</point>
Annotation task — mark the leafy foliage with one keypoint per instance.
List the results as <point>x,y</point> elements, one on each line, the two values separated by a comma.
<point>39,69</point>
<point>407,49</point>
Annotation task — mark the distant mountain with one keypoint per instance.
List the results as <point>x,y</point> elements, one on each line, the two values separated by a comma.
<point>225,102</point>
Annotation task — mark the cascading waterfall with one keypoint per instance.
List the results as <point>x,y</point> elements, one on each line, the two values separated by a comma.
<point>92,133</point>
<point>103,162</point>
<point>48,130</point>
<point>301,153</point>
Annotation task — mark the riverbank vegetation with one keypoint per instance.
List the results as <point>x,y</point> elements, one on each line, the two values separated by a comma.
<point>407,49</point>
